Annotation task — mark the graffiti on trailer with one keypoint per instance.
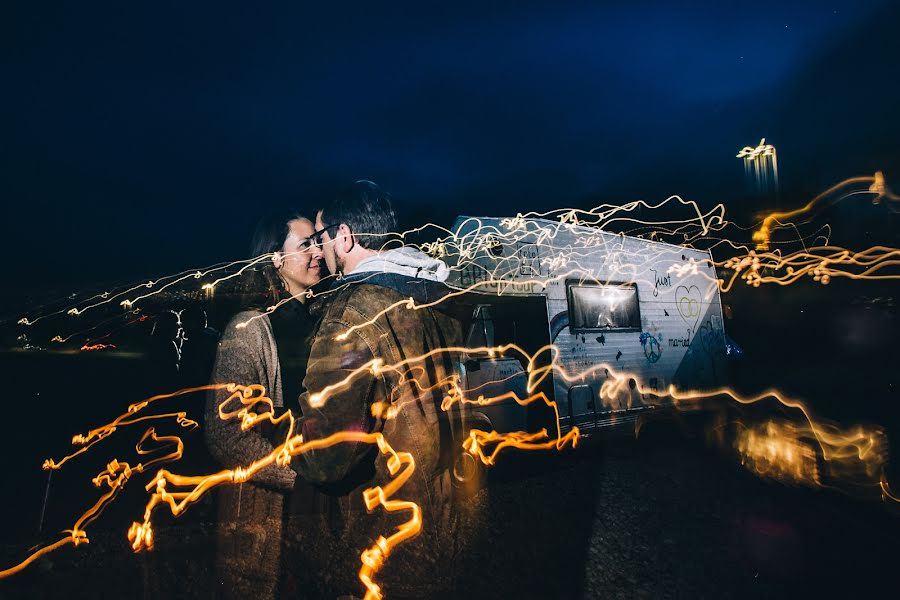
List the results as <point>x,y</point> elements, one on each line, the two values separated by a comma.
<point>652,349</point>
<point>530,260</point>
<point>712,338</point>
<point>688,301</point>
<point>658,282</point>
<point>681,342</point>
<point>475,274</point>
<point>712,341</point>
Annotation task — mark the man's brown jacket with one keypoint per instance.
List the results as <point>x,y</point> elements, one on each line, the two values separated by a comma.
<point>379,365</point>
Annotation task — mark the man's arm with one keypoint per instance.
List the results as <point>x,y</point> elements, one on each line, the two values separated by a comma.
<point>340,388</point>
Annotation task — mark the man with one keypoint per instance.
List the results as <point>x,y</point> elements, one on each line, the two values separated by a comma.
<point>362,322</point>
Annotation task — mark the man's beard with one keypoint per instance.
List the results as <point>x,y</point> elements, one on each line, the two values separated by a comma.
<point>339,264</point>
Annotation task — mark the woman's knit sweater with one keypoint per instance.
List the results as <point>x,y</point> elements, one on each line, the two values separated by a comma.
<point>246,355</point>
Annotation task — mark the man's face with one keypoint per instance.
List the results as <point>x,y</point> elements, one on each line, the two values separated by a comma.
<point>333,260</point>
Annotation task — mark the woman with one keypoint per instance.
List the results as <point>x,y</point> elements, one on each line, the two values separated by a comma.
<point>271,350</point>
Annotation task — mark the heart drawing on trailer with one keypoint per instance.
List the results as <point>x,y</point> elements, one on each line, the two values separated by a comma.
<point>688,302</point>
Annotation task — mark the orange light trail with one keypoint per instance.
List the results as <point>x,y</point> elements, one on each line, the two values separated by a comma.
<point>821,263</point>
<point>837,445</point>
<point>141,534</point>
<point>97,434</point>
<point>114,477</point>
<point>855,454</point>
<point>116,474</point>
<point>877,189</point>
<point>95,347</point>
<point>782,450</point>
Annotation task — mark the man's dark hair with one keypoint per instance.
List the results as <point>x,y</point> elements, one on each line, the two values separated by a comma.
<point>366,209</point>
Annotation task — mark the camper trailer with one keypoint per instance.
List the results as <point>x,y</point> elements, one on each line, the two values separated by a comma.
<point>636,310</point>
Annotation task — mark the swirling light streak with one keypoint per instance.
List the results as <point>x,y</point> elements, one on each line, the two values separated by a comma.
<point>117,473</point>
<point>847,451</point>
<point>111,296</point>
<point>877,188</point>
<point>105,322</point>
<point>468,245</point>
<point>602,216</point>
<point>598,217</point>
<point>502,285</point>
<point>539,440</point>
<point>128,418</point>
<point>838,446</point>
<point>822,264</point>
<point>211,286</point>
<point>129,303</point>
<point>685,231</point>
<point>115,476</point>
<point>141,534</point>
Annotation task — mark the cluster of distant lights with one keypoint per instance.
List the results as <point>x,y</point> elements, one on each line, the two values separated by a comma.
<point>761,163</point>
<point>777,449</point>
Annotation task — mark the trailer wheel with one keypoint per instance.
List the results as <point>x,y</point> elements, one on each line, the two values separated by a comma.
<point>468,473</point>
<point>467,469</point>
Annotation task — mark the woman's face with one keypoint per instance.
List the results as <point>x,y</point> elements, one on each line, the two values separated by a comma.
<point>299,259</point>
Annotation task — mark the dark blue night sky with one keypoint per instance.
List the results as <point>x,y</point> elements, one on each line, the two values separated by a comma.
<point>139,141</point>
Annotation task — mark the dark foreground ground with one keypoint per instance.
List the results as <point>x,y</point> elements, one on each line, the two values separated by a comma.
<point>660,517</point>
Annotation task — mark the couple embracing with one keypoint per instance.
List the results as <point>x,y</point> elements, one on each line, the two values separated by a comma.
<point>299,531</point>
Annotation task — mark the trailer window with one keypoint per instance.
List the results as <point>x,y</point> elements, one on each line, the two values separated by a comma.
<point>595,307</point>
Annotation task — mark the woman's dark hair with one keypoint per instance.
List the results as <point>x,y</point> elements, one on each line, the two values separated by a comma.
<point>262,284</point>
<point>366,209</point>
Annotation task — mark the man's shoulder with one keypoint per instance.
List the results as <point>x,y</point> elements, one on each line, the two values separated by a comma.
<point>366,299</point>
<point>360,295</point>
